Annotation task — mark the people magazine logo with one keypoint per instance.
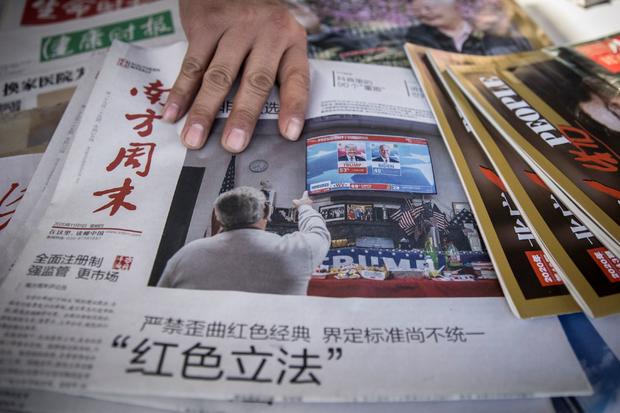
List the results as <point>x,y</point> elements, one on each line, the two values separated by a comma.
<point>122,262</point>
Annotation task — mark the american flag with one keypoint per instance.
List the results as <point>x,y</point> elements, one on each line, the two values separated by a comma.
<point>229,179</point>
<point>407,216</point>
<point>439,219</point>
<point>227,184</point>
<point>463,217</point>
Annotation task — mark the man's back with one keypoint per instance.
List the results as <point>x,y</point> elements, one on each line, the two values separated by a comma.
<point>251,259</point>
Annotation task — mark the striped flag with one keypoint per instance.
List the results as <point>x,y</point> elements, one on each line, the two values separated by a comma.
<point>407,216</point>
<point>464,216</point>
<point>439,219</point>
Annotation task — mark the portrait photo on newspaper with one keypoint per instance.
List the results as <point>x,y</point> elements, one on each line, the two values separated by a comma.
<point>374,32</point>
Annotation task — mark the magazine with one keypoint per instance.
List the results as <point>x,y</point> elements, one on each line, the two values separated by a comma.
<point>575,250</point>
<point>572,143</point>
<point>529,280</point>
<point>587,265</point>
<point>94,263</point>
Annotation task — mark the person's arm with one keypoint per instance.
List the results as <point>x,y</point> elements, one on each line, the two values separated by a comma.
<point>225,35</point>
<point>313,229</point>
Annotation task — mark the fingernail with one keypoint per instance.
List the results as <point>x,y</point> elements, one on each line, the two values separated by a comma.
<point>171,112</point>
<point>293,129</point>
<point>235,140</point>
<point>194,135</point>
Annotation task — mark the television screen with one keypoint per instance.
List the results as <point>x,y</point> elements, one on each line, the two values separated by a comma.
<point>359,162</point>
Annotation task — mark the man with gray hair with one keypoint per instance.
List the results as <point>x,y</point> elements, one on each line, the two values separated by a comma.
<point>245,257</point>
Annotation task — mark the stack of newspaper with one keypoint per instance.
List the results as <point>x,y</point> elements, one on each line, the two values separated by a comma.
<point>406,310</point>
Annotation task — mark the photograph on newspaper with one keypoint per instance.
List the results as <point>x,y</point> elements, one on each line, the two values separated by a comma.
<point>528,279</point>
<point>567,134</point>
<point>386,186</point>
<point>115,224</point>
<point>375,32</point>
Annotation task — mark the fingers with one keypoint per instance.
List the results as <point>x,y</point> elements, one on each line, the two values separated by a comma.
<point>215,86</point>
<point>222,36</point>
<point>304,200</point>
<point>257,81</point>
<point>188,81</point>
<point>294,79</point>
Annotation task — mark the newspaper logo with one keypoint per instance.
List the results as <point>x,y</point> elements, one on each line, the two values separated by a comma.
<point>607,262</point>
<point>122,262</point>
<point>83,41</point>
<point>543,269</point>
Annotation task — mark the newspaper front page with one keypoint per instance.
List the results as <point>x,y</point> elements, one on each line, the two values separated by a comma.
<point>129,198</point>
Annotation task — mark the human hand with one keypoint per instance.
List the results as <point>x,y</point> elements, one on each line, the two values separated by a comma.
<point>223,35</point>
<point>304,200</point>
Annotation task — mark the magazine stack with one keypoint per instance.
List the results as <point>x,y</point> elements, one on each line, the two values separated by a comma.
<point>542,127</point>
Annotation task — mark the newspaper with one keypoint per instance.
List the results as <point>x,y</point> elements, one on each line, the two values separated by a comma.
<point>271,347</point>
<point>17,14</point>
<point>51,59</point>
<point>15,173</point>
<point>58,37</point>
<point>42,183</point>
<point>48,402</point>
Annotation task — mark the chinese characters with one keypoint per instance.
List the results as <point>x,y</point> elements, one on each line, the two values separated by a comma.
<point>135,156</point>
